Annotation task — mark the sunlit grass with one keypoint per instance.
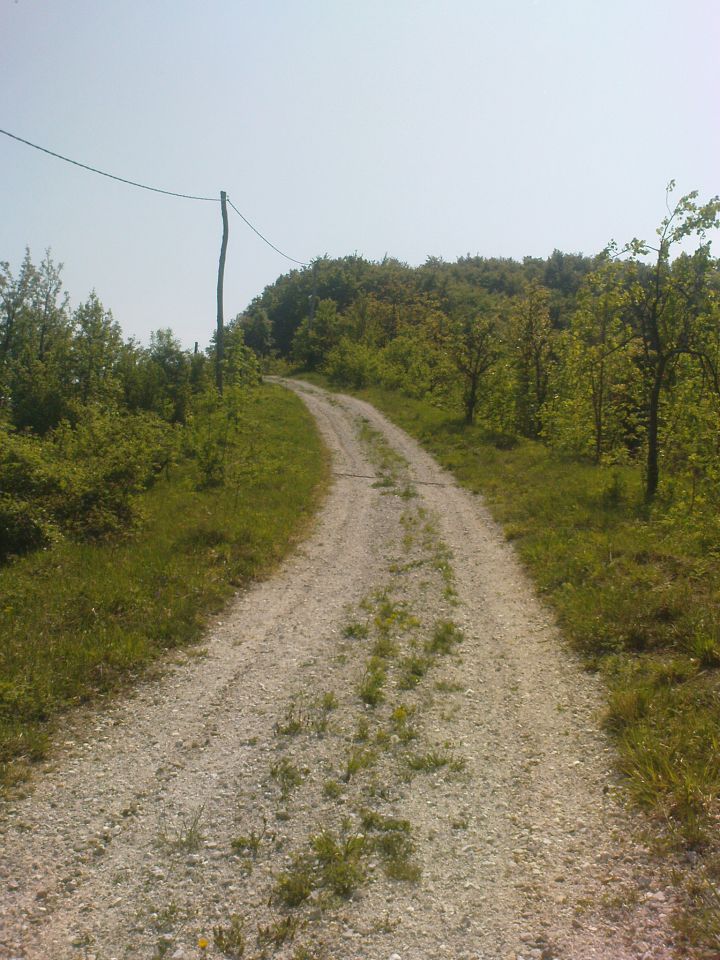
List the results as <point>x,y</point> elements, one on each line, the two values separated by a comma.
<point>636,593</point>
<point>79,620</point>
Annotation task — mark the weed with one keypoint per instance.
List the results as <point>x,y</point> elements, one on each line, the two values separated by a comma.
<point>382,737</point>
<point>445,637</point>
<point>401,720</point>
<point>384,647</point>
<point>699,921</point>
<point>339,862</point>
<point>187,835</point>
<point>448,686</point>
<point>371,688</point>
<point>371,820</point>
<point>305,952</point>
<point>294,885</point>
<point>332,789</point>
<point>230,940</point>
<point>287,775</point>
<point>329,702</point>
<point>362,733</point>
<point>385,924</point>
<point>393,617</point>
<point>278,933</point>
<point>626,706</point>
<point>358,759</point>
<point>249,843</point>
<point>165,919</point>
<point>293,723</point>
<point>413,669</point>
<point>356,631</point>
<point>391,840</point>
<point>434,760</point>
<point>704,646</point>
<point>460,822</point>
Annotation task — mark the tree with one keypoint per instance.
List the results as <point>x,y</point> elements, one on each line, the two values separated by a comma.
<point>96,351</point>
<point>599,355</point>
<point>15,294</point>
<point>666,302</point>
<point>34,344</point>
<point>256,330</point>
<point>471,339</point>
<point>531,334</point>
<point>316,336</point>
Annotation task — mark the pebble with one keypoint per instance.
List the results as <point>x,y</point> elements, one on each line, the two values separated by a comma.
<point>513,817</point>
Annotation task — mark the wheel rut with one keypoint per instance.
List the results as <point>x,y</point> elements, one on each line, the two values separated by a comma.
<point>384,751</point>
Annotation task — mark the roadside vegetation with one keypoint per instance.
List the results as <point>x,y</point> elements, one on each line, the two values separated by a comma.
<point>581,397</point>
<point>636,594</point>
<point>132,505</point>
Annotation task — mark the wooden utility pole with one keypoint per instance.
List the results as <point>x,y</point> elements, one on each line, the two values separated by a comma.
<point>313,298</point>
<point>220,334</point>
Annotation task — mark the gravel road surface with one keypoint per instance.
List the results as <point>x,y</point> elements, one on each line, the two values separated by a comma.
<point>383,752</point>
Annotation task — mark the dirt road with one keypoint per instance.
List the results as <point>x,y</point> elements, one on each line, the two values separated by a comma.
<point>384,753</point>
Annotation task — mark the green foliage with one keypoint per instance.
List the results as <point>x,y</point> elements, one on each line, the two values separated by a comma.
<point>445,637</point>
<point>614,358</point>
<point>83,617</point>
<point>635,592</point>
<point>373,681</point>
<point>230,939</point>
<point>338,862</point>
<point>317,335</point>
<point>81,479</point>
<point>352,364</point>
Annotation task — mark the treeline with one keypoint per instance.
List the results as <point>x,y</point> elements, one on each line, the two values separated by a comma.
<point>88,419</point>
<point>614,358</point>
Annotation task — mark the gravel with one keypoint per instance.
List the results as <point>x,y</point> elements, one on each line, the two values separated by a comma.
<point>123,845</point>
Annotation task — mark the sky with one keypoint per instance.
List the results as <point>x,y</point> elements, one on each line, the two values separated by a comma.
<point>411,128</point>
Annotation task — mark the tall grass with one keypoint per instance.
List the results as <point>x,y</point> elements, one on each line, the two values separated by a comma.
<point>79,620</point>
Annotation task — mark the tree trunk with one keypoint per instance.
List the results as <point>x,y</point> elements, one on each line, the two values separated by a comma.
<point>653,467</point>
<point>471,401</point>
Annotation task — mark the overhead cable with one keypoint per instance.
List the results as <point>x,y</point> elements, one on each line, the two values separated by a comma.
<point>265,239</point>
<point>144,186</point>
<point>111,176</point>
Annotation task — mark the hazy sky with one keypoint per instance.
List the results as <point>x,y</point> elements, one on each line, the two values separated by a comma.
<point>407,127</point>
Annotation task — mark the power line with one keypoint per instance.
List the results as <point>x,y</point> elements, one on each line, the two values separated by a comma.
<point>144,186</point>
<point>111,176</point>
<point>265,239</point>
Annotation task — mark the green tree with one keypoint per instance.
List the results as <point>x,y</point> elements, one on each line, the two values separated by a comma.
<point>317,335</point>
<point>592,413</point>
<point>15,295</point>
<point>256,330</point>
<point>531,338</point>
<point>471,338</point>
<point>667,301</point>
<point>96,350</point>
<point>35,380</point>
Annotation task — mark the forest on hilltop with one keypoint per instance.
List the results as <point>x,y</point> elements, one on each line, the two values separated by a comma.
<point>614,357</point>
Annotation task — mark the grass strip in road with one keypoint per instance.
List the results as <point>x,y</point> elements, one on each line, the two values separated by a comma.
<point>79,620</point>
<point>636,593</point>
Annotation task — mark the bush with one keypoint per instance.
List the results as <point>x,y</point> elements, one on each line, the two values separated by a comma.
<point>352,364</point>
<point>23,527</point>
<point>79,479</point>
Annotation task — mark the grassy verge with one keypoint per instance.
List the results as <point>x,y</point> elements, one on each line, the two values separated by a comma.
<point>637,594</point>
<point>81,619</point>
